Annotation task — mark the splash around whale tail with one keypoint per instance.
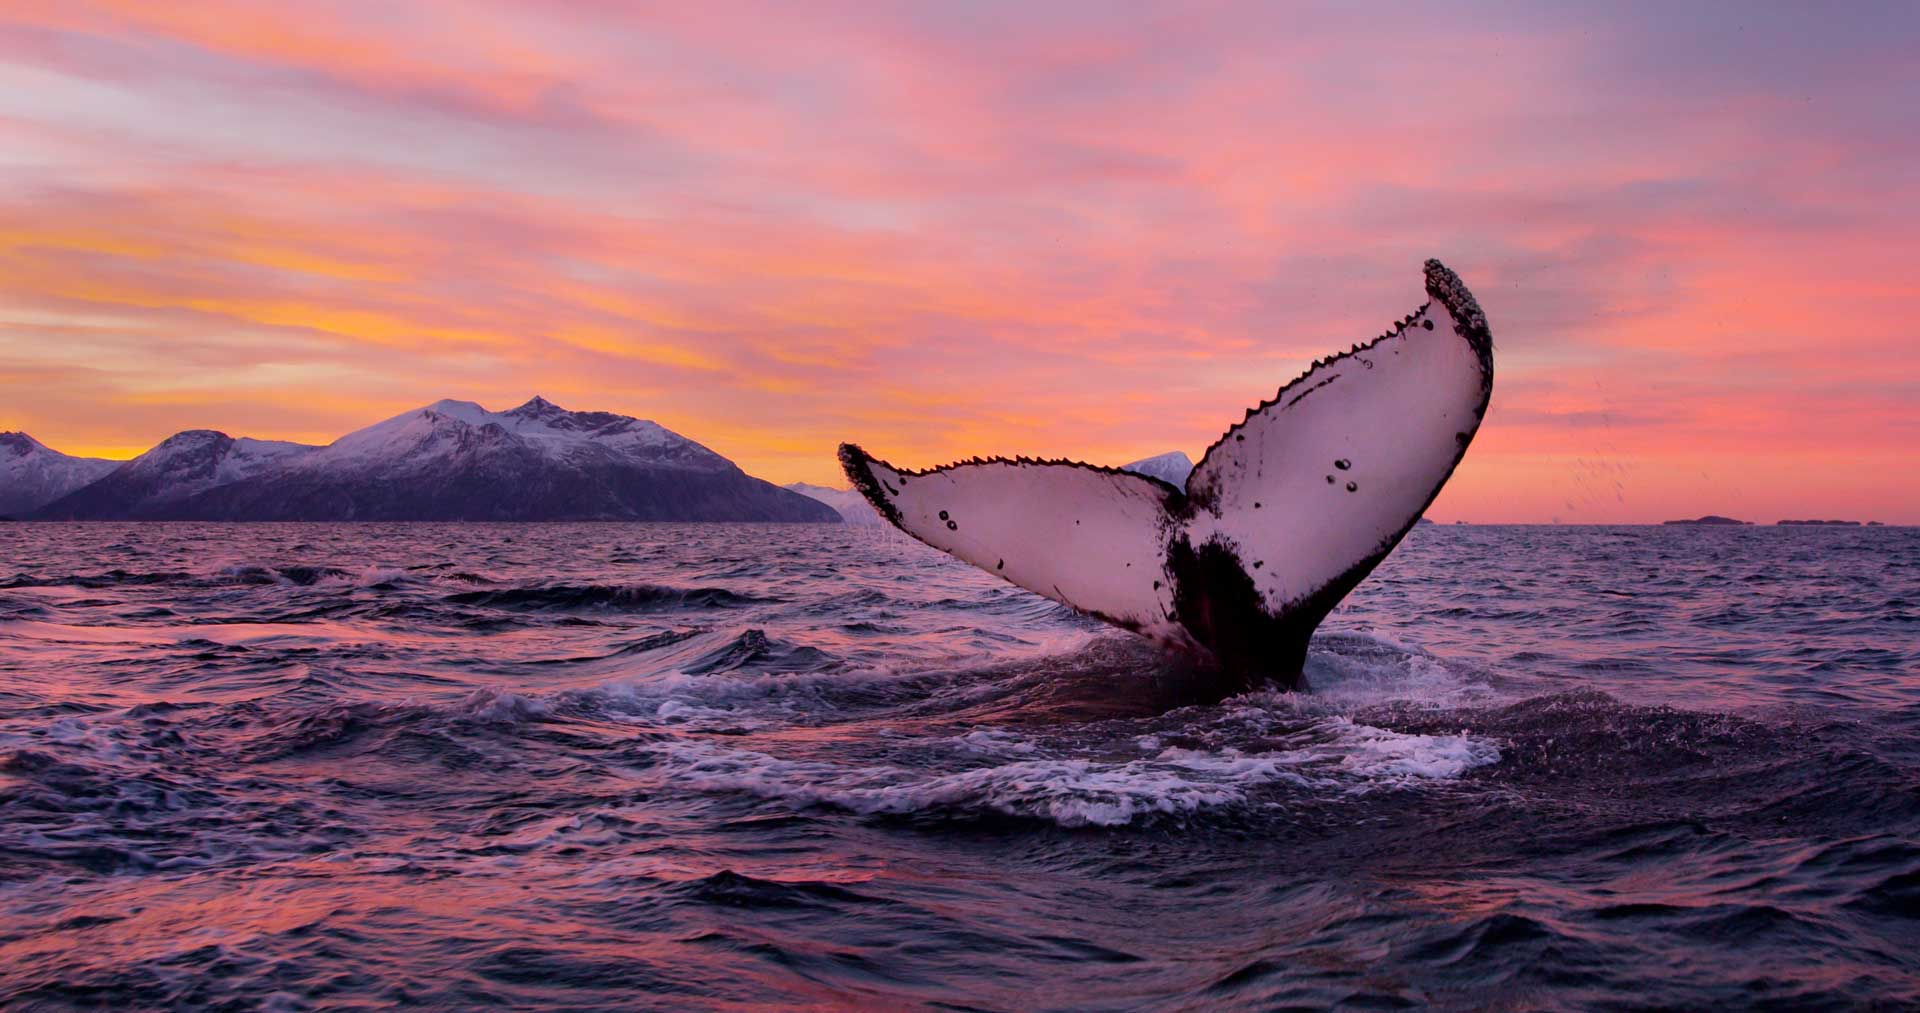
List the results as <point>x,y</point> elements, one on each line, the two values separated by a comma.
<point>1284,515</point>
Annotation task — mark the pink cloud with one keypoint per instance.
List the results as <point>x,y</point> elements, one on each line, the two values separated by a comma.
<point>949,229</point>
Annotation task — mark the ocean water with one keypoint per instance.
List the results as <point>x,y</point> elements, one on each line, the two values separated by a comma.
<point>672,767</point>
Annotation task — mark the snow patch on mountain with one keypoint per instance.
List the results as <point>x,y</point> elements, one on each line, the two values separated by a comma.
<point>248,457</point>
<point>201,459</point>
<point>852,507</point>
<point>1172,467</point>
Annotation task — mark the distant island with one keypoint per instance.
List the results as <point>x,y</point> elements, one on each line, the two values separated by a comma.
<point>852,507</point>
<point>1717,519</point>
<point>448,461</point>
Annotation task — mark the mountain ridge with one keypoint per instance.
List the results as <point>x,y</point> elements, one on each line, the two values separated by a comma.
<point>447,461</point>
<point>33,474</point>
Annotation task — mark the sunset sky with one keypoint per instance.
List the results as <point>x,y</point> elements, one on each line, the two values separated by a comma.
<point>1096,231</point>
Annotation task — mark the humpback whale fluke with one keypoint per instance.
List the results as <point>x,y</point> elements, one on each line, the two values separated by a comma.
<point>1283,516</point>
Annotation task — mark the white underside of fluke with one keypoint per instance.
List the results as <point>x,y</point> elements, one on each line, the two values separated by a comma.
<point>1091,538</point>
<point>1307,494</point>
<point>1343,461</point>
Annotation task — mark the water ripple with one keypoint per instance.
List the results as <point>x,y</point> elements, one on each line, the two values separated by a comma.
<point>671,766</point>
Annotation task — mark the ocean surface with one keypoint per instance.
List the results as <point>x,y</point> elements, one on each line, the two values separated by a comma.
<point>683,767</point>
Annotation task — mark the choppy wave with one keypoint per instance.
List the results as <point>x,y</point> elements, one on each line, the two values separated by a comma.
<point>624,765</point>
<point>637,597</point>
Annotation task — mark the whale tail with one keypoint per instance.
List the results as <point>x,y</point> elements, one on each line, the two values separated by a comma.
<point>1284,515</point>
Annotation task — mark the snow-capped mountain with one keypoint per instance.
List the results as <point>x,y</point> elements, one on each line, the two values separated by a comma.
<point>852,507</point>
<point>33,475</point>
<point>1172,467</point>
<point>163,482</point>
<point>552,432</point>
<point>455,460</point>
